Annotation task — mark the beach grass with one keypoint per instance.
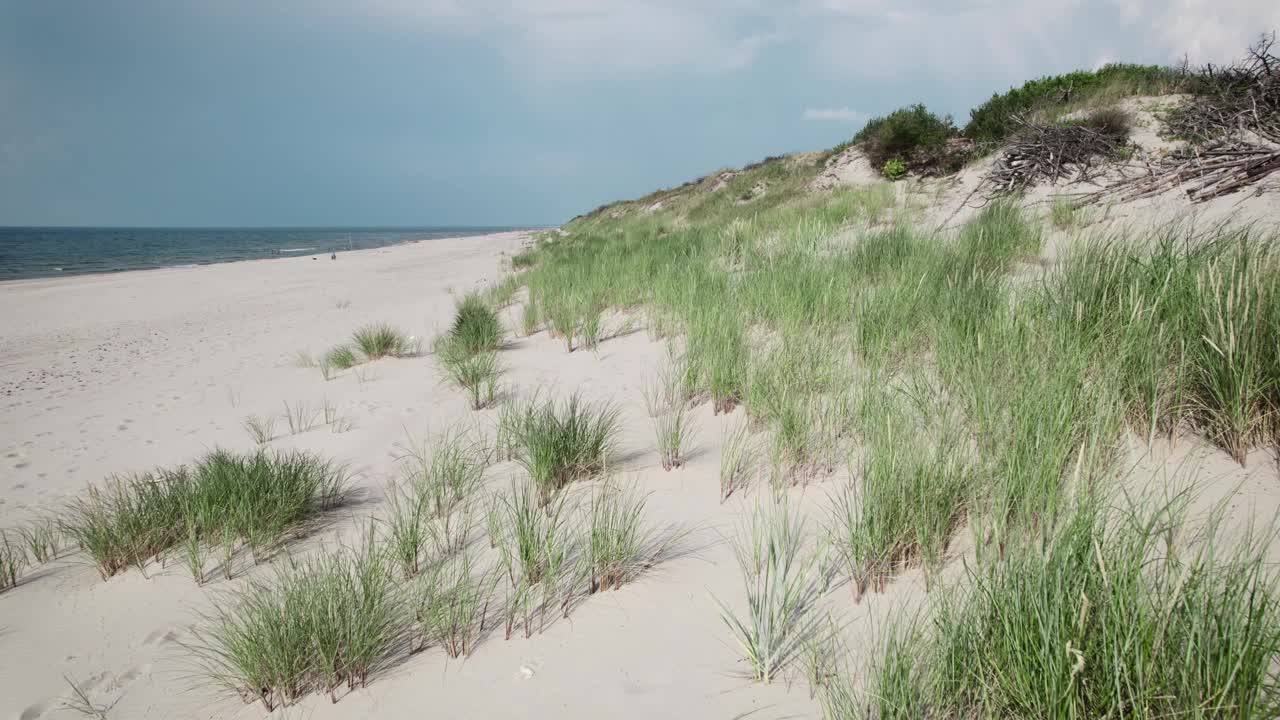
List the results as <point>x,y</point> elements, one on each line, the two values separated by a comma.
<point>532,537</point>
<point>446,470</point>
<point>316,624</point>
<point>476,373</point>
<point>13,559</point>
<point>674,434</point>
<point>912,489</point>
<point>453,605</point>
<point>341,357</point>
<point>783,581</point>
<point>476,327</point>
<point>1120,610</point>
<point>530,318</point>
<point>227,499</point>
<point>261,430</point>
<point>300,416</point>
<point>737,460</point>
<point>619,544</point>
<point>379,340</point>
<point>41,538</point>
<point>559,442</point>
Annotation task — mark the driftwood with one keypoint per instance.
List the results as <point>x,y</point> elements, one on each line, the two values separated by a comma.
<point>1219,168</point>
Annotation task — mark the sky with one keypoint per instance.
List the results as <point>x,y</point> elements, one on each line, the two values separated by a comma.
<point>500,112</point>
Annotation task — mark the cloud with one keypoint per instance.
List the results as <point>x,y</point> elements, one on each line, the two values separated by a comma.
<point>1014,39</point>
<point>1205,30</point>
<point>842,114</point>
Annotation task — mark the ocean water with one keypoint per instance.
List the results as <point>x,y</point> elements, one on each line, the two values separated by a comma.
<point>56,252</point>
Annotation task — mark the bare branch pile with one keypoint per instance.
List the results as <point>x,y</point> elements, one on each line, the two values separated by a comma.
<point>1240,98</point>
<point>1070,152</point>
<point>1233,125</point>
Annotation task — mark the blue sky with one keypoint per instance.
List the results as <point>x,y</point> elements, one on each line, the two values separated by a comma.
<point>497,112</point>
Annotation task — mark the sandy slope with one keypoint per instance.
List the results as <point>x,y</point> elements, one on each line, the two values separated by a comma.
<point>125,372</point>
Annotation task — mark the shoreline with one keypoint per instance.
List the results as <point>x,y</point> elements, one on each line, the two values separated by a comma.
<point>291,255</point>
<point>360,252</point>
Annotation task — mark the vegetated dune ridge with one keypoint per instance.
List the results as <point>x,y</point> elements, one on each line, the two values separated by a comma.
<point>944,394</point>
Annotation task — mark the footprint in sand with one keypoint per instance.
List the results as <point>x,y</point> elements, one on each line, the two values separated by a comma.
<point>31,712</point>
<point>163,636</point>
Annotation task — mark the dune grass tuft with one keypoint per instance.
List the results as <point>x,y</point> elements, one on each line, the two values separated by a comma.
<point>910,493</point>
<point>42,538</point>
<point>619,546</point>
<point>783,582</point>
<point>453,606</point>
<point>532,539</point>
<point>530,318</point>
<point>260,429</point>
<point>316,624</point>
<point>476,327</point>
<point>300,416</point>
<point>445,471</point>
<point>13,560</point>
<point>381,340</point>
<point>477,373</point>
<point>558,442</point>
<point>737,459</point>
<point>225,498</point>
<point>341,357</point>
<point>1115,612</point>
<point>674,435</point>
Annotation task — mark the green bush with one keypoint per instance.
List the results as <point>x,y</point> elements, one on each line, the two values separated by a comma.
<point>895,168</point>
<point>989,122</point>
<point>912,135</point>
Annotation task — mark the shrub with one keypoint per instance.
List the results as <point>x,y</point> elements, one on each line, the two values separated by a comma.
<point>330,619</point>
<point>990,121</point>
<point>912,135</point>
<point>894,168</point>
<point>225,498</point>
<point>381,340</point>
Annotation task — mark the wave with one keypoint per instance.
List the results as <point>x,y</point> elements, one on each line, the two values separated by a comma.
<point>306,249</point>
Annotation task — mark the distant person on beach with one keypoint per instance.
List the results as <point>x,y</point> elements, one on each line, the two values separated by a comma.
<point>333,256</point>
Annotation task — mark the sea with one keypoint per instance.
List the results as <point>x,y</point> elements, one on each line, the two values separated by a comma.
<point>28,252</point>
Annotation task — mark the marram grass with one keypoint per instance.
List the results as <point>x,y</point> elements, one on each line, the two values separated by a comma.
<point>225,499</point>
<point>314,626</point>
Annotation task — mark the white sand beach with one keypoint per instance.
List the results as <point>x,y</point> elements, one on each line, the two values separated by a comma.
<point>123,373</point>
